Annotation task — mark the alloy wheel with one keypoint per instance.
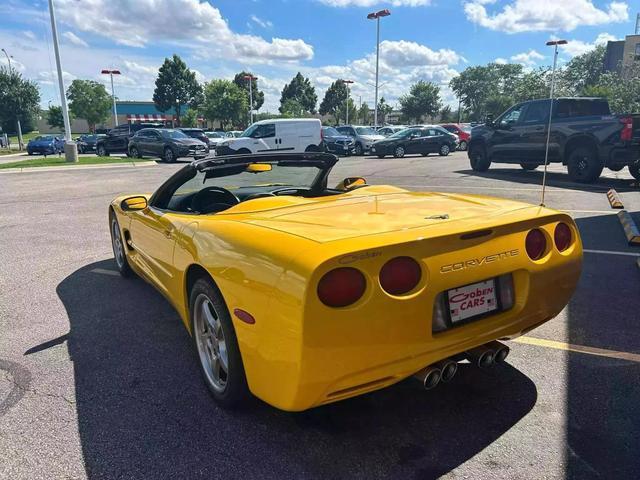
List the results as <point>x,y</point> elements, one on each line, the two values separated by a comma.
<point>399,152</point>
<point>116,240</point>
<point>211,343</point>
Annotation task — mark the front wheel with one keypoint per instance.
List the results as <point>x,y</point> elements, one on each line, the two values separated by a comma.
<point>133,152</point>
<point>478,158</point>
<point>80,149</point>
<point>117,244</point>
<point>463,146</point>
<point>380,156</point>
<point>102,152</point>
<point>216,345</point>
<point>444,150</point>
<point>169,156</point>
<point>634,169</point>
<point>583,165</point>
<point>399,151</point>
<point>359,149</point>
<point>529,166</point>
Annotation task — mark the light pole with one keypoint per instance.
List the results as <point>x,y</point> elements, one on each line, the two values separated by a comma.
<point>251,78</point>
<point>555,44</point>
<point>376,16</point>
<point>347,83</point>
<point>19,127</point>
<point>111,73</point>
<point>70,148</point>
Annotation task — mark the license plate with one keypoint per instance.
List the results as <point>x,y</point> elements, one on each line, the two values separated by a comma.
<point>472,300</point>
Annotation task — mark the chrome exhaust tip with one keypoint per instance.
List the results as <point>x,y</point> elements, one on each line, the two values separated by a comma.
<point>482,356</point>
<point>501,351</point>
<point>429,377</point>
<point>448,369</point>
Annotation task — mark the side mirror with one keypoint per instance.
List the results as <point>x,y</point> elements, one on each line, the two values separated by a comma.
<point>133,203</point>
<point>350,183</point>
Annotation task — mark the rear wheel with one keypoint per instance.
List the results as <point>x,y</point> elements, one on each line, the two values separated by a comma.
<point>244,151</point>
<point>80,149</point>
<point>359,149</point>
<point>102,152</point>
<point>117,244</point>
<point>463,146</point>
<point>169,156</point>
<point>478,158</point>
<point>583,165</point>
<point>133,152</point>
<point>398,152</point>
<point>380,156</point>
<point>312,148</point>
<point>529,166</point>
<point>216,345</point>
<point>444,150</point>
<point>634,169</point>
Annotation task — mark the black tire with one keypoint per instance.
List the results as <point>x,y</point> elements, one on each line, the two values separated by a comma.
<point>583,165</point>
<point>380,156</point>
<point>102,151</point>
<point>462,146</point>
<point>312,148</point>
<point>80,149</point>
<point>359,150</point>
<point>478,158</point>
<point>445,150</point>
<point>133,152</point>
<point>29,152</point>
<point>399,151</point>
<point>235,391</point>
<point>169,156</point>
<point>529,166</point>
<point>118,245</point>
<point>243,151</point>
<point>634,169</point>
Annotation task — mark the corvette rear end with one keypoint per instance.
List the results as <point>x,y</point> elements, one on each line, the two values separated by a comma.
<point>363,310</point>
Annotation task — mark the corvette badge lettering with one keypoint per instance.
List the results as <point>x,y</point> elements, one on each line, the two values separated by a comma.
<point>358,256</point>
<point>478,262</point>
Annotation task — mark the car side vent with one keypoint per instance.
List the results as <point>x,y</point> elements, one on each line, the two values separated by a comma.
<point>478,234</point>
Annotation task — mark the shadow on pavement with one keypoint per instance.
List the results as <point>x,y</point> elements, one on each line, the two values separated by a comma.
<point>143,411</point>
<point>554,179</point>
<point>603,394</point>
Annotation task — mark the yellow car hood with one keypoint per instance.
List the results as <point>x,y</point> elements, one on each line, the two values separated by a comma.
<point>329,218</point>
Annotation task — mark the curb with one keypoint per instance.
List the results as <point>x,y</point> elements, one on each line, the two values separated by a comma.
<point>614,199</point>
<point>77,167</point>
<point>630,228</point>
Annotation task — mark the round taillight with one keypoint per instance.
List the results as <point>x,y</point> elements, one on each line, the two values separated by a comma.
<point>341,287</point>
<point>536,244</point>
<point>400,275</point>
<point>562,236</point>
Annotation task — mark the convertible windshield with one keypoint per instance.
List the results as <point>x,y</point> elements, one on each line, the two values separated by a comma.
<point>169,133</point>
<point>365,131</point>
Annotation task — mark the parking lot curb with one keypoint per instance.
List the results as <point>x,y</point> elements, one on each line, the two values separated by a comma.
<point>630,228</point>
<point>77,167</point>
<point>614,199</point>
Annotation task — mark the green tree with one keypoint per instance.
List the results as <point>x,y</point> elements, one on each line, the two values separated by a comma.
<point>342,111</point>
<point>363,114</point>
<point>190,118</point>
<point>422,100</point>
<point>301,90</point>
<point>583,71</point>
<point>335,95</point>
<point>532,85</point>
<point>226,102</point>
<point>54,117</point>
<point>621,90</point>
<point>447,115</point>
<point>292,108</point>
<point>384,109</point>
<point>19,100</point>
<point>176,86</point>
<point>257,94</point>
<point>89,100</point>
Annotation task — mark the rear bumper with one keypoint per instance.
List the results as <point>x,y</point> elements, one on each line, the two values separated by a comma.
<point>620,154</point>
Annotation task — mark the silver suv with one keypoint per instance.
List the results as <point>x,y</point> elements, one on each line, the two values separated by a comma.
<point>363,136</point>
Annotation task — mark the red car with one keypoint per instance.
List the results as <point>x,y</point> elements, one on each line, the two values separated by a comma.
<point>463,132</point>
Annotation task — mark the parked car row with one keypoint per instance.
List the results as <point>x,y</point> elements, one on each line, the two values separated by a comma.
<point>87,143</point>
<point>420,139</point>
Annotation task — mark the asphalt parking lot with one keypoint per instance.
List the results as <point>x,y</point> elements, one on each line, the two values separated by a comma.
<point>98,378</point>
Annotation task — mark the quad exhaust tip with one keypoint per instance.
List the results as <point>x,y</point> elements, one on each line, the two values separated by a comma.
<point>448,369</point>
<point>429,377</point>
<point>487,355</point>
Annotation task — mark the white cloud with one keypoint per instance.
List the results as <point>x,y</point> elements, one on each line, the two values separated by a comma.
<point>501,61</point>
<point>51,78</point>
<point>29,34</point>
<point>192,24</point>
<point>76,40</point>
<point>261,22</point>
<point>403,54</point>
<point>370,3</point>
<point>528,59</point>
<point>544,15</point>
<point>578,47</point>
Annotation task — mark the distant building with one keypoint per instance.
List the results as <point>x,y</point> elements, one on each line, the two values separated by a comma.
<point>621,54</point>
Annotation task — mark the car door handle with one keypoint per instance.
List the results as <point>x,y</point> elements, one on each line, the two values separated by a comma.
<point>168,233</point>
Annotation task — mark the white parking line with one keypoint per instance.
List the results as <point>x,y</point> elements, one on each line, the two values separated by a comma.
<point>104,271</point>
<point>612,252</point>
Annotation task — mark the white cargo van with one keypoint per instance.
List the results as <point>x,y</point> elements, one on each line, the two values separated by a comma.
<point>286,135</point>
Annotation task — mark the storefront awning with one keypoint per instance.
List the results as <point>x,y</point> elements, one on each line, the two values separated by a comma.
<point>146,118</point>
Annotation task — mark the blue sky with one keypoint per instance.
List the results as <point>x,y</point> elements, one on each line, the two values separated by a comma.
<point>324,39</point>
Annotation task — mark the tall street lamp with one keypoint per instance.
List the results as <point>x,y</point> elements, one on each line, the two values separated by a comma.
<point>555,44</point>
<point>347,83</point>
<point>19,127</point>
<point>377,16</point>
<point>251,78</point>
<point>111,73</point>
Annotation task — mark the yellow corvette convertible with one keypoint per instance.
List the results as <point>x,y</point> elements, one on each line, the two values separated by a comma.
<point>303,294</point>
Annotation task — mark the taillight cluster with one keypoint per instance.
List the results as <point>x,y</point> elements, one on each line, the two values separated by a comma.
<point>344,286</point>
<point>536,241</point>
<point>626,134</point>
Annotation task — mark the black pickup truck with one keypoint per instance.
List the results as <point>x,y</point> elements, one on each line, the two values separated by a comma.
<point>585,137</point>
